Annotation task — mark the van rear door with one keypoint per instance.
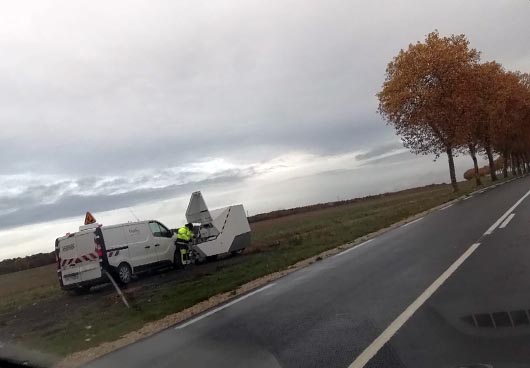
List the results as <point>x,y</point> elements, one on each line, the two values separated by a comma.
<point>79,259</point>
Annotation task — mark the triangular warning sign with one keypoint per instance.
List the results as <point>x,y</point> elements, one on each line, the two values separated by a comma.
<point>89,219</point>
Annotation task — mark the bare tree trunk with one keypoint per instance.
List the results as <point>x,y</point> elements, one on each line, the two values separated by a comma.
<point>473,154</point>
<point>452,173</point>
<point>512,164</point>
<point>524,162</point>
<point>515,170</point>
<point>505,168</point>
<point>516,164</point>
<point>491,163</point>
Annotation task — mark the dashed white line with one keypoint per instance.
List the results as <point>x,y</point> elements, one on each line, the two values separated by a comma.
<point>352,248</point>
<point>207,314</point>
<point>391,330</point>
<point>410,223</point>
<point>505,222</point>
<point>501,219</point>
<point>446,207</point>
<point>466,198</point>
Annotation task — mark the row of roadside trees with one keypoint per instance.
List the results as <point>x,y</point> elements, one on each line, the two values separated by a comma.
<point>441,98</point>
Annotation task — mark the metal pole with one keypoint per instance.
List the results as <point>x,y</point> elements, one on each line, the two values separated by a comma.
<point>117,289</point>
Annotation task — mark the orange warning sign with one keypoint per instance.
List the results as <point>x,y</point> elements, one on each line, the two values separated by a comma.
<point>89,219</point>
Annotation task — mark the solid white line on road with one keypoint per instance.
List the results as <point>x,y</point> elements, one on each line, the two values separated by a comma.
<point>185,324</point>
<point>466,198</point>
<point>409,223</point>
<point>446,207</point>
<point>507,221</point>
<point>501,219</point>
<point>352,248</point>
<point>391,330</point>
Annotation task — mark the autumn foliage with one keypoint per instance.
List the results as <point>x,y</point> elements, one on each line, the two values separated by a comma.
<point>441,99</point>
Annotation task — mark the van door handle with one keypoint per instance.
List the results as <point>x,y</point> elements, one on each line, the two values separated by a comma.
<point>147,246</point>
<point>157,245</point>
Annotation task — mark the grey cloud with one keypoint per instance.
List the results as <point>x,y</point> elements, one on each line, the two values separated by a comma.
<point>248,142</point>
<point>379,150</point>
<point>393,158</point>
<point>31,210</point>
<point>161,87</point>
<point>33,194</point>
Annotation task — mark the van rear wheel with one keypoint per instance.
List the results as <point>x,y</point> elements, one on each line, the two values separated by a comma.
<point>124,273</point>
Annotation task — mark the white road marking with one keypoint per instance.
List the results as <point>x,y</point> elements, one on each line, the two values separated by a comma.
<point>352,248</point>
<point>501,219</point>
<point>391,330</point>
<point>446,207</point>
<point>466,198</point>
<point>507,221</point>
<point>185,324</point>
<point>409,223</point>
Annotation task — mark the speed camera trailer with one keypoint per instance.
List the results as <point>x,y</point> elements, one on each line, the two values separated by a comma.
<point>219,231</point>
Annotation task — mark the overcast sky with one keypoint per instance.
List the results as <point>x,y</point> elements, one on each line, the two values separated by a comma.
<point>106,105</point>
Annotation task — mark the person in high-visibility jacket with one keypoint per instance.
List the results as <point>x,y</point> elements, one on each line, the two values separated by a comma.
<point>184,238</point>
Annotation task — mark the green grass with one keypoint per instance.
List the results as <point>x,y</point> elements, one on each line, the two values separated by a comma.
<point>20,288</point>
<point>276,244</point>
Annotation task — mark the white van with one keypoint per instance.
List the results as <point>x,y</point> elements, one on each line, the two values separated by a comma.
<point>123,249</point>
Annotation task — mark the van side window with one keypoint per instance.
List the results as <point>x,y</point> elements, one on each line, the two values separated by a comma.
<point>155,229</point>
<point>165,231</point>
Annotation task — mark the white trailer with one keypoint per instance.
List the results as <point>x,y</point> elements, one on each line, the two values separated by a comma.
<point>223,230</point>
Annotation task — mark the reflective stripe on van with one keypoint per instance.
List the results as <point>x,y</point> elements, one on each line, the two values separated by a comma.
<point>115,251</point>
<point>84,258</point>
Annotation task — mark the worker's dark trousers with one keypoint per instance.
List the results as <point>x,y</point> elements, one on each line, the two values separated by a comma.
<point>181,244</point>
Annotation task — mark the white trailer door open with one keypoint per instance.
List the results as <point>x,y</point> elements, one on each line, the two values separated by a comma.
<point>89,266</point>
<point>78,258</point>
<point>68,255</point>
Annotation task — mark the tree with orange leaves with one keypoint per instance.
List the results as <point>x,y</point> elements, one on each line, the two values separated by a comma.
<point>510,114</point>
<point>421,96</point>
<point>481,90</point>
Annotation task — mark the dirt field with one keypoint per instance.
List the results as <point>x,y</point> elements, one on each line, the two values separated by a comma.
<point>35,313</point>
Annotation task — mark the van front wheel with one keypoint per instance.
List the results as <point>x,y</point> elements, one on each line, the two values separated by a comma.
<point>124,273</point>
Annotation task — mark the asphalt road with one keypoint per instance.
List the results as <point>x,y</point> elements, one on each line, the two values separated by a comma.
<point>449,290</point>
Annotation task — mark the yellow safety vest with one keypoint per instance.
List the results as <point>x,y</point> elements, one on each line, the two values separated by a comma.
<point>184,234</point>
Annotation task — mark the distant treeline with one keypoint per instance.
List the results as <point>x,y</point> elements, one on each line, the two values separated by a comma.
<point>24,263</point>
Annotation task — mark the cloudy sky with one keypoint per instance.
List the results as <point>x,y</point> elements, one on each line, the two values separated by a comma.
<point>120,106</point>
